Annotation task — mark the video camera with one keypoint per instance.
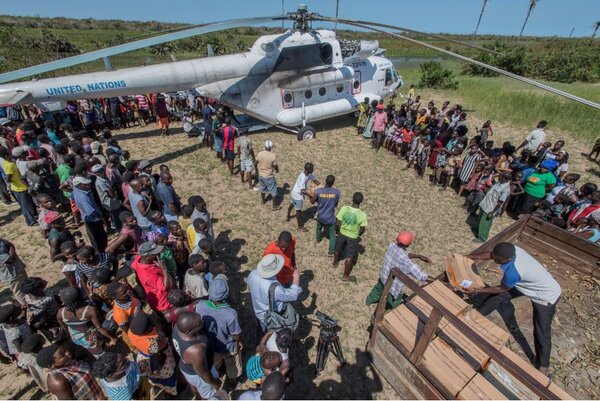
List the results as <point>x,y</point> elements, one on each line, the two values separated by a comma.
<point>329,341</point>
<point>327,322</point>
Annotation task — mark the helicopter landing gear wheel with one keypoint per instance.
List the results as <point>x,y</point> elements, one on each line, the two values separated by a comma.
<point>306,132</point>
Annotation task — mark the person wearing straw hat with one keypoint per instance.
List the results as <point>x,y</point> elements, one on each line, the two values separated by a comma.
<point>397,255</point>
<point>259,282</point>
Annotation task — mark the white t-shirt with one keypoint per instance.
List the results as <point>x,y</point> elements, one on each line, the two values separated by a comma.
<point>301,185</point>
<point>535,139</point>
<point>195,285</point>
<point>251,395</point>
<point>272,346</point>
<point>536,283</point>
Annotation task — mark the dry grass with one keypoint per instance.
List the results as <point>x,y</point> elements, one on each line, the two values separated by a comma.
<point>394,200</point>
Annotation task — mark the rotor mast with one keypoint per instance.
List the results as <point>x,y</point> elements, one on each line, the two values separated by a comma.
<point>302,18</point>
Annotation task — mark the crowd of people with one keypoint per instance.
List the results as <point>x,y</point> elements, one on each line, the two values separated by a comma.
<point>531,177</point>
<point>145,310</point>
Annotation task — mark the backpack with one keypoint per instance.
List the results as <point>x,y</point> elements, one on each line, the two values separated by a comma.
<point>276,321</point>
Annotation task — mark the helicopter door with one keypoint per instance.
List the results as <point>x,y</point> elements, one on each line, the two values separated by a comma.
<point>389,79</point>
<point>287,98</point>
<point>356,83</point>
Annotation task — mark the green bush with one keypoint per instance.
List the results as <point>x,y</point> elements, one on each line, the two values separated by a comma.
<point>433,75</point>
<point>554,60</point>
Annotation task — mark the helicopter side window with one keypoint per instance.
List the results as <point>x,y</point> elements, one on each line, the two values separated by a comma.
<point>339,88</point>
<point>388,77</point>
<point>287,98</point>
<point>326,53</point>
<point>356,84</point>
<point>308,94</point>
<point>322,91</point>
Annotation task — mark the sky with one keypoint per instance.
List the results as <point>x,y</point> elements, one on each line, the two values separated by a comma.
<point>501,17</point>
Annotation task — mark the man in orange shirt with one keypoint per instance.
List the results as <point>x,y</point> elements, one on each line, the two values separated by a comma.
<point>285,246</point>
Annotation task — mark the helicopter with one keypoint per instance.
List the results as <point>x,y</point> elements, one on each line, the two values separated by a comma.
<point>288,80</point>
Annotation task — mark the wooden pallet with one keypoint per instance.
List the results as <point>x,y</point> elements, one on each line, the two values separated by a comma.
<point>455,365</point>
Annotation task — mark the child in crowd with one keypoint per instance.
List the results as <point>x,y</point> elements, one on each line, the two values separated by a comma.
<point>195,284</point>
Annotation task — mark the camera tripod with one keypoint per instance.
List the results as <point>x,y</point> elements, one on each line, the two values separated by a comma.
<point>329,341</point>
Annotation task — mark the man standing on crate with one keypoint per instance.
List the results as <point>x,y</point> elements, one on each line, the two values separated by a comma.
<point>523,276</point>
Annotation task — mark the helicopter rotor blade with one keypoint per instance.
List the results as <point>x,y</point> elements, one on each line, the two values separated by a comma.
<point>127,47</point>
<point>371,25</point>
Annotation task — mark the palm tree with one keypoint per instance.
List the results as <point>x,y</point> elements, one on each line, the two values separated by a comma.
<point>480,15</point>
<point>596,26</point>
<point>532,4</point>
<point>163,49</point>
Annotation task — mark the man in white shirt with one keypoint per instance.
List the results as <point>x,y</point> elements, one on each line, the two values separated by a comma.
<point>535,138</point>
<point>259,282</point>
<point>491,205</point>
<point>523,276</point>
<point>298,193</point>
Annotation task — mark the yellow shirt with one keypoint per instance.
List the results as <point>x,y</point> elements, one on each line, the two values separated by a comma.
<point>184,222</point>
<point>16,185</point>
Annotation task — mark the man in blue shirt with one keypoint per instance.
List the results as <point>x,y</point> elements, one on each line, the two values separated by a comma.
<point>169,198</point>
<point>327,200</point>
<point>523,276</point>
<point>223,328</point>
<point>259,282</point>
<point>91,214</point>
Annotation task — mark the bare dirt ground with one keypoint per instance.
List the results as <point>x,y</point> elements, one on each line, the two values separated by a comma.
<point>394,200</point>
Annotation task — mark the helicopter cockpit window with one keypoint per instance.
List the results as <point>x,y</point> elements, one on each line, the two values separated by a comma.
<point>308,94</point>
<point>322,91</point>
<point>326,53</point>
<point>388,77</point>
<point>395,74</point>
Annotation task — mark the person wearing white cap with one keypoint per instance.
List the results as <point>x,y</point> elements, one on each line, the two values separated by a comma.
<point>17,186</point>
<point>96,148</point>
<point>259,282</point>
<point>266,161</point>
<point>91,214</point>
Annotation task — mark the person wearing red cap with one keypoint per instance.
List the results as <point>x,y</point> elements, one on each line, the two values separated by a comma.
<point>398,256</point>
<point>380,120</point>
<point>58,234</point>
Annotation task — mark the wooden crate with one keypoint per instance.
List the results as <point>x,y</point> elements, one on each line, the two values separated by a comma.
<point>399,372</point>
<point>404,326</point>
<point>487,329</point>
<point>460,268</point>
<point>479,388</point>
<point>446,369</point>
<point>442,294</point>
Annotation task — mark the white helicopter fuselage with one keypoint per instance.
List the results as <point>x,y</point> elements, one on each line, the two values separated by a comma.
<point>288,79</point>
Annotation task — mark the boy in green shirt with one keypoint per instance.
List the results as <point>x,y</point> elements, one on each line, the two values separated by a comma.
<point>351,224</point>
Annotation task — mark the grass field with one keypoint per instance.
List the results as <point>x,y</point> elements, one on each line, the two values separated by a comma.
<point>510,101</point>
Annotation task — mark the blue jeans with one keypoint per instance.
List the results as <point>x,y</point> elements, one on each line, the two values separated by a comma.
<point>268,185</point>
<point>27,207</point>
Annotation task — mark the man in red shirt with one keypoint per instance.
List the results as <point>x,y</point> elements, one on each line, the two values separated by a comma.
<point>285,246</point>
<point>153,275</point>
<point>229,133</point>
